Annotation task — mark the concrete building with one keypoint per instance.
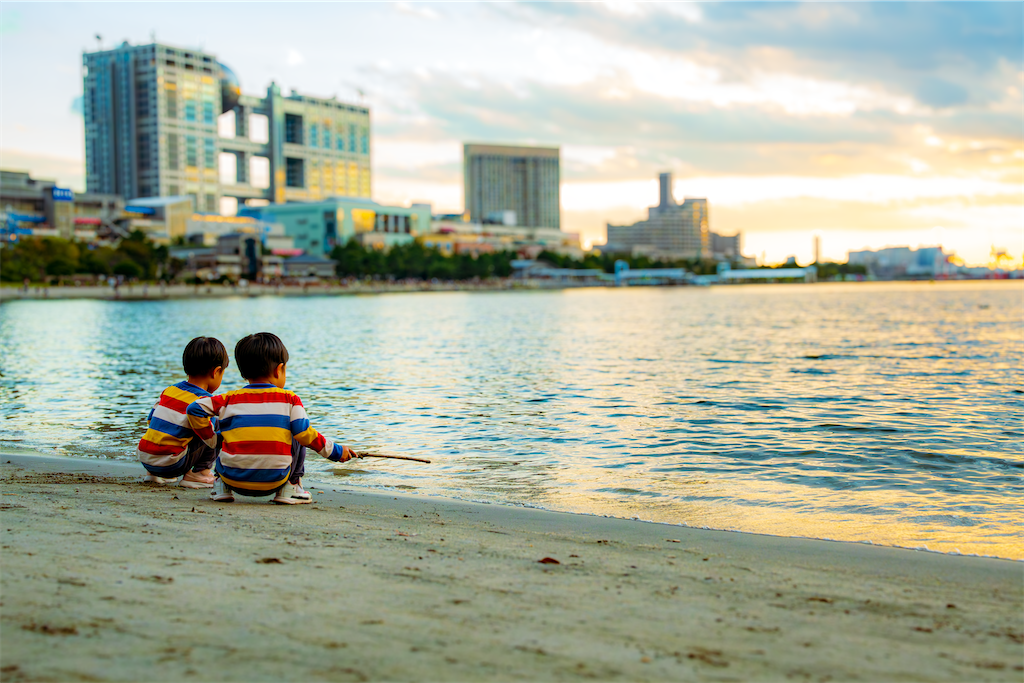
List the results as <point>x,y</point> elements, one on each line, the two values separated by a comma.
<point>671,231</point>
<point>893,263</point>
<point>725,247</point>
<point>505,184</point>
<point>33,206</point>
<point>317,227</point>
<point>162,218</point>
<point>166,121</point>
<point>454,235</point>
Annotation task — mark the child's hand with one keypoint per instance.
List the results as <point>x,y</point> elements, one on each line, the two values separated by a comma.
<point>347,454</point>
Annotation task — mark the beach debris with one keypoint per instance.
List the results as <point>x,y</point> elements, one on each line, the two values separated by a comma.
<point>270,560</point>
<point>52,630</point>
<point>816,599</point>
<point>712,657</point>
<point>155,578</point>
<point>402,533</point>
<point>672,540</point>
<point>548,560</point>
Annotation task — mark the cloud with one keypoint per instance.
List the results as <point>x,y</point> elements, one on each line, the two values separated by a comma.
<point>416,10</point>
<point>893,45</point>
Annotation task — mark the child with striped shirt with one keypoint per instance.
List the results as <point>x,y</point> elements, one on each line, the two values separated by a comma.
<point>263,427</point>
<point>169,449</point>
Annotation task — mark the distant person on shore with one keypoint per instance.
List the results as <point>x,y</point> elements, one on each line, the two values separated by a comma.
<point>170,449</point>
<point>264,429</point>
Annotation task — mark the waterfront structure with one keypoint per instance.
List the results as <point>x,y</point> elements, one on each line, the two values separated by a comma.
<point>894,263</point>
<point>454,235</point>
<point>32,206</point>
<point>727,275</point>
<point>512,184</point>
<point>671,231</point>
<point>317,227</point>
<point>234,255</point>
<point>167,121</point>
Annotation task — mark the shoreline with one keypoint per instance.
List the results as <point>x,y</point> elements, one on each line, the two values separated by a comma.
<point>157,583</point>
<point>154,292</point>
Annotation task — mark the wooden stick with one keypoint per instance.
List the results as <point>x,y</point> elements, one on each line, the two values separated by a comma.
<point>393,457</point>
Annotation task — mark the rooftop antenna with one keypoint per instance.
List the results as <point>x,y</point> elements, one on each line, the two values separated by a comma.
<point>99,42</point>
<point>152,35</point>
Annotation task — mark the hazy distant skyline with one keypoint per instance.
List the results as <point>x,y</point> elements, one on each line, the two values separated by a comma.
<point>869,124</point>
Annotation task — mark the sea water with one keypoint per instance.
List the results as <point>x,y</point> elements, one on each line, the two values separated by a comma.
<point>883,413</point>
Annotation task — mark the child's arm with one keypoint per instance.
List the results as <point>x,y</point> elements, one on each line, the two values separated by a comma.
<point>309,437</point>
<point>199,413</point>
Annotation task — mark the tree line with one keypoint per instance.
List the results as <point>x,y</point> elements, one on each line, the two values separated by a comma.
<point>49,259</point>
<point>42,259</point>
<point>413,260</point>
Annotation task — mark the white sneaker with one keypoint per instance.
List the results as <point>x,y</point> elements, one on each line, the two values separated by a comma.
<point>153,479</point>
<point>222,492</point>
<point>293,494</point>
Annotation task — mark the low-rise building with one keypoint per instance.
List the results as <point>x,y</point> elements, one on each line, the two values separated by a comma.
<point>308,265</point>
<point>528,241</point>
<point>893,263</point>
<point>32,206</point>
<point>317,227</point>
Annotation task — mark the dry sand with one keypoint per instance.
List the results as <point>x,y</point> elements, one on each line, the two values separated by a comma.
<point>105,578</point>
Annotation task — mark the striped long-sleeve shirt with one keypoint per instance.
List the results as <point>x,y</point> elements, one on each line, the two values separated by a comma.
<point>166,441</point>
<point>258,423</point>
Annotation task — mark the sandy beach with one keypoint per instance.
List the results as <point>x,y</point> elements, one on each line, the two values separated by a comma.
<point>106,578</point>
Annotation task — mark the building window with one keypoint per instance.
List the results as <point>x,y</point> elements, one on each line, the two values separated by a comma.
<point>191,153</point>
<point>144,158</point>
<point>211,203</point>
<point>209,153</point>
<point>364,146</point>
<point>190,110</point>
<point>340,141</point>
<point>172,152</point>
<point>172,102</point>
<point>259,172</point>
<point>259,128</point>
<point>352,137</point>
<point>293,129</point>
<point>314,135</point>
<point>294,173</point>
<point>208,111</point>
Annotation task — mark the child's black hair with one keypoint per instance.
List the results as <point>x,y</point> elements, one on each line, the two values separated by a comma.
<point>258,354</point>
<point>203,354</point>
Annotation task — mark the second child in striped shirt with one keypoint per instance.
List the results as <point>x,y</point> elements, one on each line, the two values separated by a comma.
<point>264,428</point>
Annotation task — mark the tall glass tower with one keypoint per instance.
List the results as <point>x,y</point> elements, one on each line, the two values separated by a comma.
<point>153,127</point>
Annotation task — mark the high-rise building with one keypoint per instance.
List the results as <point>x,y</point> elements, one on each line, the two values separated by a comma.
<point>156,124</point>
<point>512,185</point>
<point>673,231</point>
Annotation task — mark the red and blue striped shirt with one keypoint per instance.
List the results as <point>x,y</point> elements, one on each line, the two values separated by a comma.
<point>166,441</point>
<point>258,424</point>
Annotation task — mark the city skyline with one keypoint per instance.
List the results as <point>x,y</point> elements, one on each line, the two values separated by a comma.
<point>868,125</point>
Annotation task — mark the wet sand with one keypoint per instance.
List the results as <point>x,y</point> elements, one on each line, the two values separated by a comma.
<point>106,578</point>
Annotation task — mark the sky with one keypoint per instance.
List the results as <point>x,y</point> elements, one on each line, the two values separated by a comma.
<point>864,124</point>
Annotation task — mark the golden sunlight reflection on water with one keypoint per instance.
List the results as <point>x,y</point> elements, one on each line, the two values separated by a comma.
<point>889,413</point>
